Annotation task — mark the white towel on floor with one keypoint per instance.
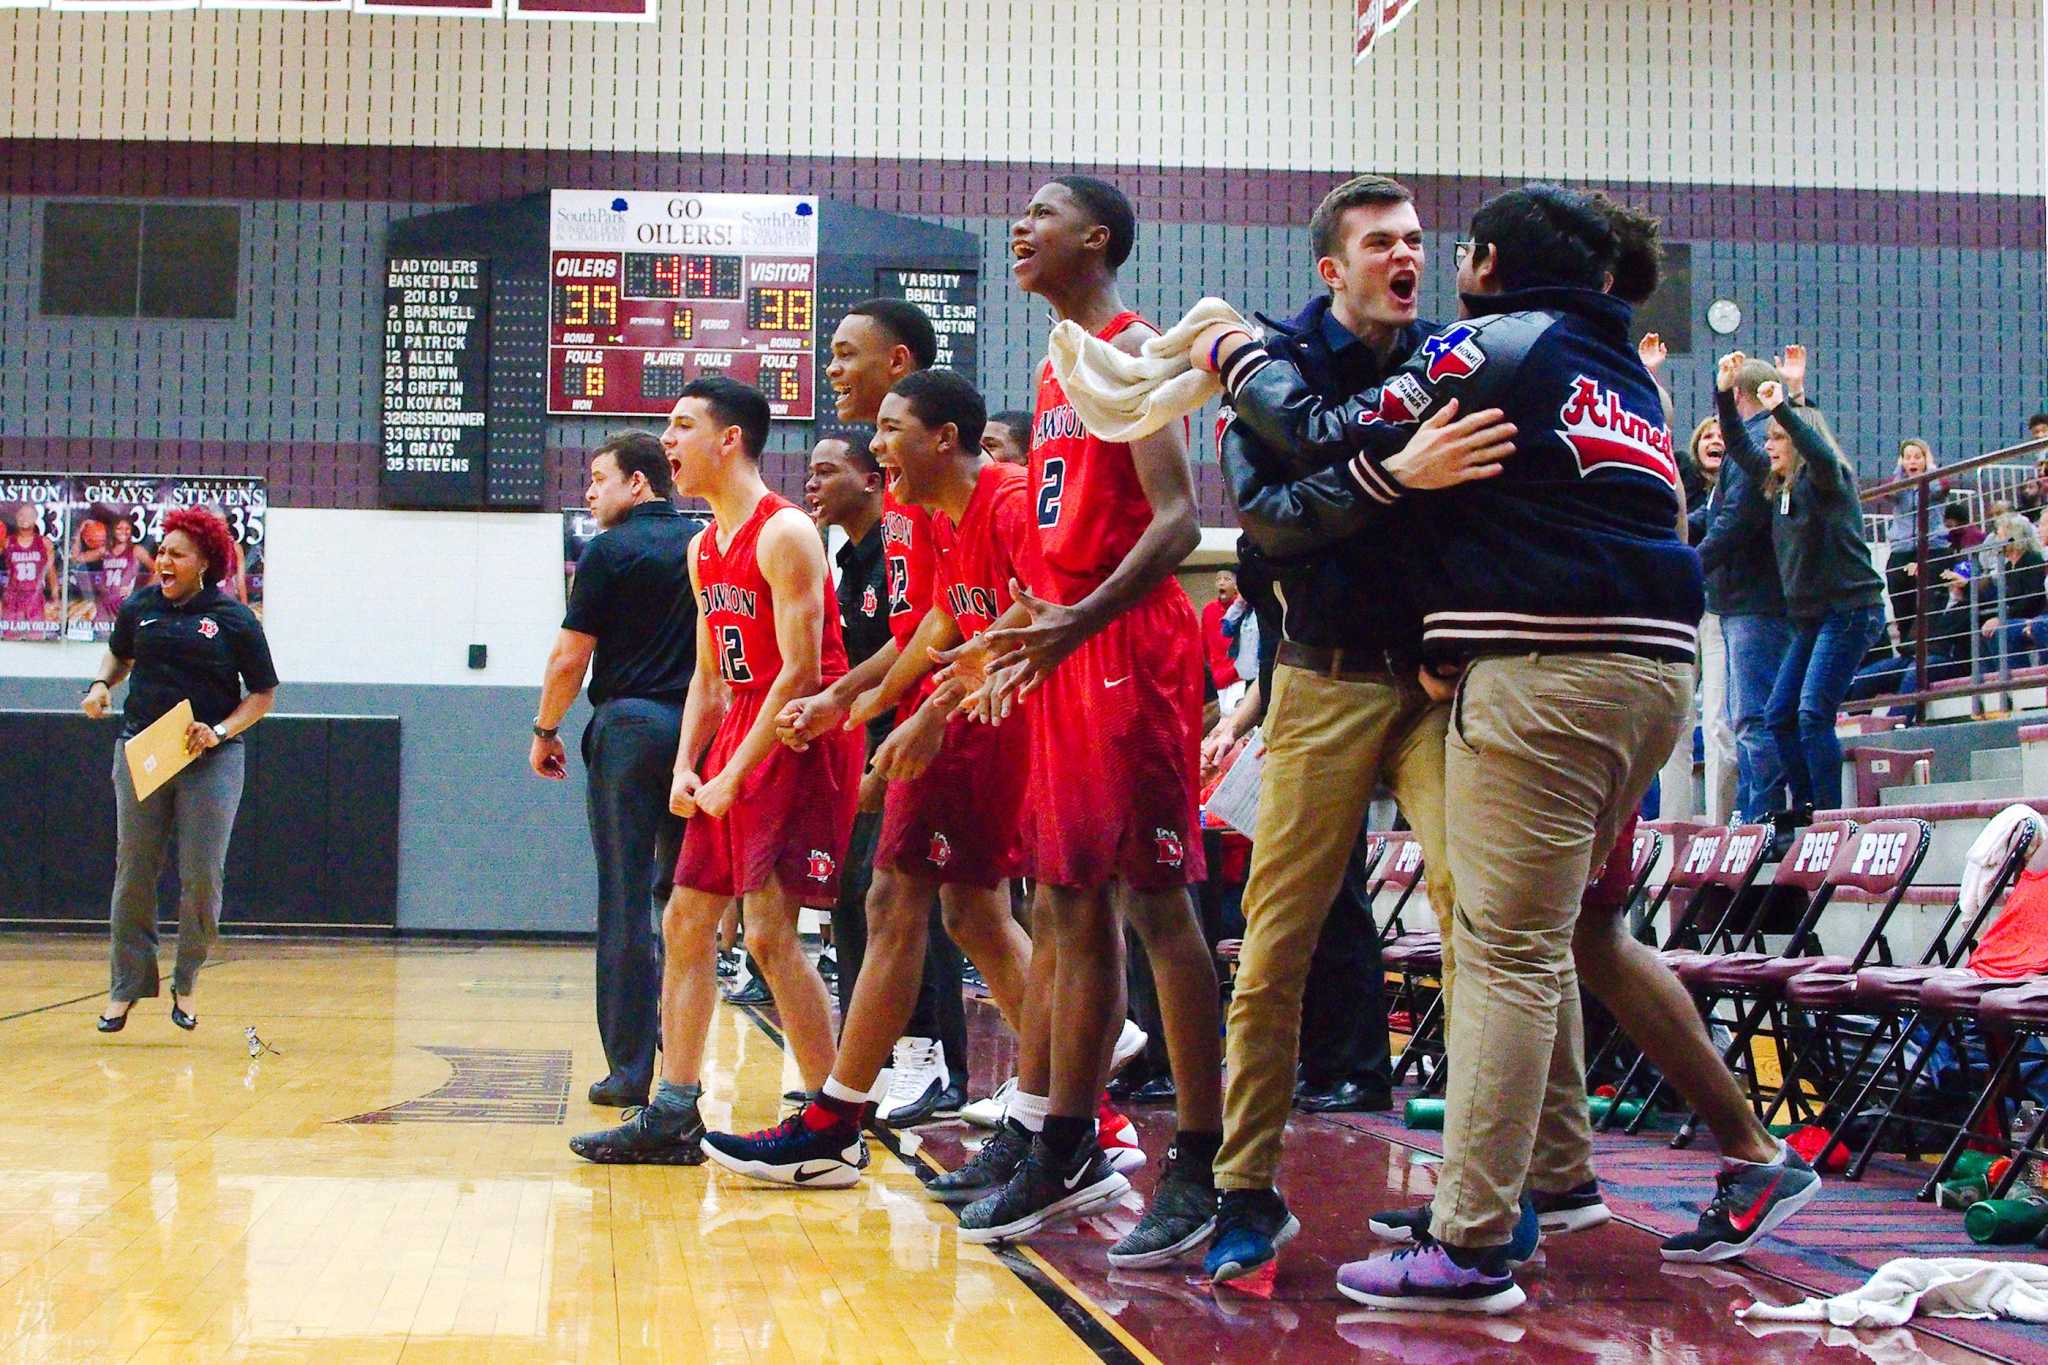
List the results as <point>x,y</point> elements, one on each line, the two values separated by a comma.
<point>1947,1287</point>
<point>1124,397</point>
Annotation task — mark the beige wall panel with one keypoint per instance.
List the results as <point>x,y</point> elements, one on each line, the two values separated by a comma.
<point>1884,94</point>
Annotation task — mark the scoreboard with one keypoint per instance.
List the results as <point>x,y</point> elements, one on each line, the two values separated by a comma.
<point>647,291</point>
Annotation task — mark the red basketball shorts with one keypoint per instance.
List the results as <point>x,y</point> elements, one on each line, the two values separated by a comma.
<point>958,824</point>
<point>1116,737</point>
<point>790,821</point>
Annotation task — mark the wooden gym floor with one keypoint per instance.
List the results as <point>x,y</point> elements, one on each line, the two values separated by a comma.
<point>391,1182</point>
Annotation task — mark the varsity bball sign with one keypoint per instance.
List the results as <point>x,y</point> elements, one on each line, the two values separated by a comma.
<point>1375,20</point>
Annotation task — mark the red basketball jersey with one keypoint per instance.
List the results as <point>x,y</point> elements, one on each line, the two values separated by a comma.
<point>995,541</point>
<point>1090,507</point>
<point>739,609</point>
<point>907,564</point>
<point>26,564</point>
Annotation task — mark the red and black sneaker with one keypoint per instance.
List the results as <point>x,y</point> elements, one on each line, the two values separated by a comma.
<point>812,1149</point>
<point>1749,1201</point>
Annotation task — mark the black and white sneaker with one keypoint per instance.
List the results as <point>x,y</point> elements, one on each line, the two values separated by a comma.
<point>1749,1202</point>
<point>1044,1191</point>
<point>809,1150</point>
<point>917,1080</point>
<point>1000,1156</point>
<point>1573,1211</point>
<point>1181,1217</point>
<point>648,1137</point>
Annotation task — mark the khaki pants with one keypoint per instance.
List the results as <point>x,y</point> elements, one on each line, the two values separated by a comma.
<point>1330,745</point>
<point>1546,756</point>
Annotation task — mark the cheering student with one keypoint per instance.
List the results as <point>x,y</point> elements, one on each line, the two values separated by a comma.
<point>179,639</point>
<point>765,823</point>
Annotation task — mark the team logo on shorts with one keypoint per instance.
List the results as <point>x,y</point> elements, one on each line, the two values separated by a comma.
<point>207,627</point>
<point>820,866</point>
<point>1453,354</point>
<point>1170,849</point>
<point>868,601</point>
<point>941,850</point>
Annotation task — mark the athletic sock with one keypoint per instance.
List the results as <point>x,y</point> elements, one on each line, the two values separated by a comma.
<point>1194,1155</point>
<point>1063,1136</point>
<point>1028,1110</point>
<point>836,1105</point>
<point>675,1101</point>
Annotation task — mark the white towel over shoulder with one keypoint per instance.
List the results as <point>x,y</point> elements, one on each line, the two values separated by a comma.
<point>1124,397</point>
<point>1947,1287</point>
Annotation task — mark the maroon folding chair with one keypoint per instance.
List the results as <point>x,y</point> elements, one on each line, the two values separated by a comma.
<point>1894,1002</point>
<point>1829,860</point>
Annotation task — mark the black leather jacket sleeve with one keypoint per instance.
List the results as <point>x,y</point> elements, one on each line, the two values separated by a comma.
<point>1288,517</point>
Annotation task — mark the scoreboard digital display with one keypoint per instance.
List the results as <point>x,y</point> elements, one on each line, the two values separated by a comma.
<point>649,291</point>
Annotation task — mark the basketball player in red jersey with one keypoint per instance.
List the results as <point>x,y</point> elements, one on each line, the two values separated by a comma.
<point>766,824</point>
<point>950,824</point>
<point>1110,644</point>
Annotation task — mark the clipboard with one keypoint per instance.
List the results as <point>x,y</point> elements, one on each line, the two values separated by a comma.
<point>157,754</point>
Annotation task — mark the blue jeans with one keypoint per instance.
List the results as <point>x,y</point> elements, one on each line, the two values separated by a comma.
<point>1756,648</point>
<point>1812,683</point>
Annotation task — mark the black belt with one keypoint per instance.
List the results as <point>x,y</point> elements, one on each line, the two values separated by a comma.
<point>1351,665</point>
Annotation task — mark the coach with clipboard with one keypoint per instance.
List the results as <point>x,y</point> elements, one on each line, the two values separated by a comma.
<point>199,674</point>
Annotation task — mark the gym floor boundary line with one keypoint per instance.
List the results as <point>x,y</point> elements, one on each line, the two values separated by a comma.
<point>1067,1301</point>
<point>81,999</point>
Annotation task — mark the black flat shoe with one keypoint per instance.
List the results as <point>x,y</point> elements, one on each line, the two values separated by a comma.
<point>115,1025</point>
<point>614,1093</point>
<point>185,1021</point>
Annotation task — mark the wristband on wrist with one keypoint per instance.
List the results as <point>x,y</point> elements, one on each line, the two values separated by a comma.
<point>96,682</point>
<point>1216,346</point>
<point>545,731</point>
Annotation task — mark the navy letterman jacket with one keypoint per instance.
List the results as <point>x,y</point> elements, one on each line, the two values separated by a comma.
<point>1573,547</point>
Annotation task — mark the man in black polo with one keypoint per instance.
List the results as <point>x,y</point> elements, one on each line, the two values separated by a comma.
<point>631,607</point>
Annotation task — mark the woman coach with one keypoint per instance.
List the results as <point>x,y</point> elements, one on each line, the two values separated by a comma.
<point>179,638</point>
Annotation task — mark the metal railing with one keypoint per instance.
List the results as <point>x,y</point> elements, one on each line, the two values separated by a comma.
<point>1996,477</point>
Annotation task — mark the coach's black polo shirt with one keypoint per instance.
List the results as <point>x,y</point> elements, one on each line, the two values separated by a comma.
<point>632,591</point>
<point>864,610</point>
<point>208,648</point>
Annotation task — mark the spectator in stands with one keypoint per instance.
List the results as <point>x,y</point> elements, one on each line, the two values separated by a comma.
<point>1007,437</point>
<point>1948,644</point>
<point>1916,457</point>
<point>1716,734</point>
<point>2016,614</point>
<point>2037,427</point>
<point>1833,593</point>
<point>2031,495</point>
<point>1964,535</point>
<point>1744,593</point>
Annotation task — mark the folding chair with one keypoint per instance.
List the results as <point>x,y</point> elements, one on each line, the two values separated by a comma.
<point>1875,862</point>
<point>1643,856</point>
<point>1713,870</point>
<point>1892,999</point>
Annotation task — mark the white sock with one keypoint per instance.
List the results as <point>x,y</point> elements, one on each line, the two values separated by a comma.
<point>845,1094</point>
<point>1028,1110</point>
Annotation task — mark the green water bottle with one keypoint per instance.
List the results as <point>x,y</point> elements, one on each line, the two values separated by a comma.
<point>2004,1221</point>
<point>1598,1105</point>
<point>1426,1114</point>
<point>1961,1194</point>
<point>1972,1163</point>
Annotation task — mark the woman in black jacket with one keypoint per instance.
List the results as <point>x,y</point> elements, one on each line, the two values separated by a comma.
<point>2022,616</point>
<point>1833,593</point>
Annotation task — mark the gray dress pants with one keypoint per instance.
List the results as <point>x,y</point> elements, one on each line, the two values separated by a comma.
<point>198,805</point>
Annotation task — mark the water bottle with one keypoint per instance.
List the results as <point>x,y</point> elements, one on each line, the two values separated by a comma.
<point>2005,1221</point>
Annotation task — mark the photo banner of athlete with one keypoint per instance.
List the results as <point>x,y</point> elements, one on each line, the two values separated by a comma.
<point>1375,20</point>
<point>78,544</point>
<point>648,291</point>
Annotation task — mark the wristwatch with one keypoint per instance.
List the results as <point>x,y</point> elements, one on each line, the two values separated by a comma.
<point>220,732</point>
<point>545,731</point>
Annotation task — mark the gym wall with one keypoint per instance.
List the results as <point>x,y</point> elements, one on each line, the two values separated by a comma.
<point>1861,175</point>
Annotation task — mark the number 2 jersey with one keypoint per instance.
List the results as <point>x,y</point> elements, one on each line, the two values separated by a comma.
<point>1116,728</point>
<point>907,560</point>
